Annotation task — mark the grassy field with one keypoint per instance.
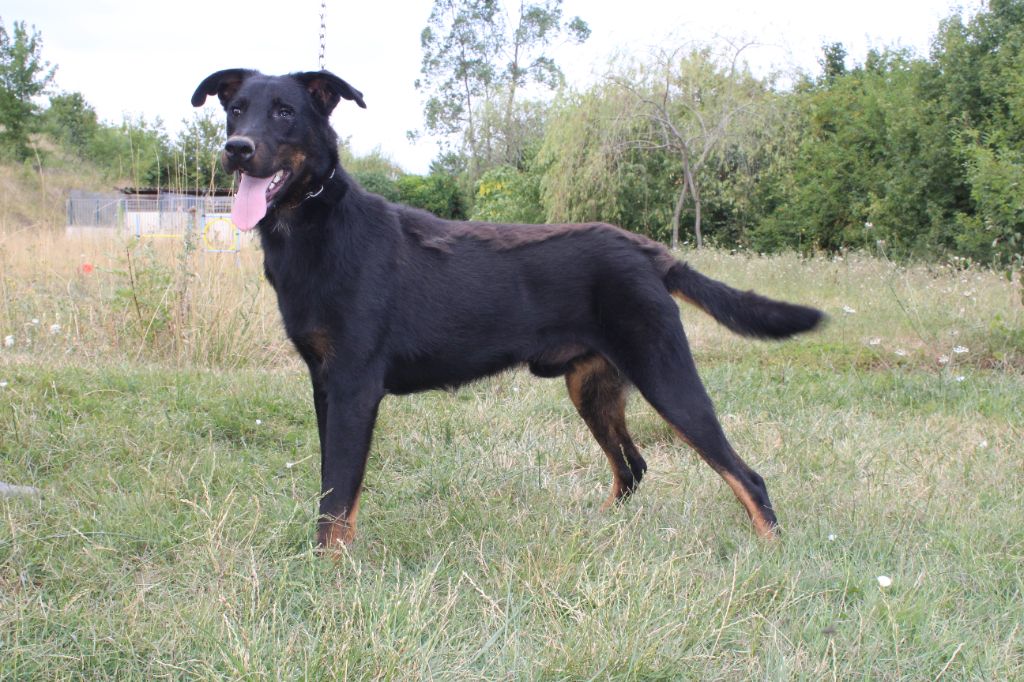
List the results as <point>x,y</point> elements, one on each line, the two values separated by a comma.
<point>151,398</point>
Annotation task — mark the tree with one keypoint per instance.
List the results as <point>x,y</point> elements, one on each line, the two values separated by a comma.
<point>23,75</point>
<point>980,89</point>
<point>834,173</point>
<point>459,44</point>
<point>375,171</point>
<point>875,160</point>
<point>588,173</point>
<point>508,195</point>
<point>526,62</point>
<point>923,155</point>
<point>196,154</point>
<point>477,62</point>
<point>135,151</point>
<point>580,155</point>
<point>437,193</point>
<point>832,62</point>
<point>72,122</point>
<point>693,102</point>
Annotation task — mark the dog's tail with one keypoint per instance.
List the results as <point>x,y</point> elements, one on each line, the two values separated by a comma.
<point>743,312</point>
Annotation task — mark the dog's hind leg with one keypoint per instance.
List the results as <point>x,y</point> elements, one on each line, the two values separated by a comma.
<point>598,391</point>
<point>662,368</point>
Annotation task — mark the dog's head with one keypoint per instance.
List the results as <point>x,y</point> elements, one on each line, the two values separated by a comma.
<point>279,137</point>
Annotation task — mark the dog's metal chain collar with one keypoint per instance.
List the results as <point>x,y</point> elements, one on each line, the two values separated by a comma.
<point>311,195</point>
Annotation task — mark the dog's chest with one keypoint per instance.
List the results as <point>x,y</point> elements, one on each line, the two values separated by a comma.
<point>306,323</point>
<point>301,298</point>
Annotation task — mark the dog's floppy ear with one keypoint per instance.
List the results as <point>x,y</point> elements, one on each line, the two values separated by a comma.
<point>224,84</point>
<point>327,90</point>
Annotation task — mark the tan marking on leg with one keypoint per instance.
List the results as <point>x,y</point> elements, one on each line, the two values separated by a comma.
<point>575,381</point>
<point>618,487</point>
<point>616,419</point>
<point>682,436</point>
<point>761,524</point>
<point>340,531</point>
<point>579,374</point>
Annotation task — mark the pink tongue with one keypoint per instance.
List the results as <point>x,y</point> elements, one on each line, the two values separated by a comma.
<point>250,202</point>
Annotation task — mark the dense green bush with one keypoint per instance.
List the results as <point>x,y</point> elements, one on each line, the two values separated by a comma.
<point>436,193</point>
<point>507,195</point>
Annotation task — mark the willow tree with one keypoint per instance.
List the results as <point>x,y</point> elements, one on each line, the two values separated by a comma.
<point>582,157</point>
<point>692,101</point>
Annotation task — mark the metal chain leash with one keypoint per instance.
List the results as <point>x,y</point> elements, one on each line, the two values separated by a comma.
<point>323,32</point>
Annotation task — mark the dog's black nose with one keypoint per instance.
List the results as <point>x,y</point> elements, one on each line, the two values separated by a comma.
<point>239,148</point>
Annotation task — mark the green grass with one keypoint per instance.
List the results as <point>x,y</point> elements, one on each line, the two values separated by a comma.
<point>172,538</point>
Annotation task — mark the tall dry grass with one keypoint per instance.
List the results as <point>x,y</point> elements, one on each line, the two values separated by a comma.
<point>125,299</point>
<point>170,301</point>
<point>35,200</point>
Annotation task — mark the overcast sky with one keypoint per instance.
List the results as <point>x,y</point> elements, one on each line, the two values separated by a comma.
<point>137,57</point>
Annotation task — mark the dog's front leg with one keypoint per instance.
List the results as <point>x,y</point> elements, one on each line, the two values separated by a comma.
<point>351,411</point>
<point>320,405</point>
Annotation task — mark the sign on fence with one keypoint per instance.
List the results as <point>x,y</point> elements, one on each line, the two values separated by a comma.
<point>220,234</point>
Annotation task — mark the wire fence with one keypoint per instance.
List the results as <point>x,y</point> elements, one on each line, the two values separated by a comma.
<point>158,216</point>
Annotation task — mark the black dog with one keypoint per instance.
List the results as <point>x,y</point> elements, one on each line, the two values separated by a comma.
<point>383,298</point>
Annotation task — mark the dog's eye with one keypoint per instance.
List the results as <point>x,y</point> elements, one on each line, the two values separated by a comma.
<point>236,111</point>
<point>285,112</point>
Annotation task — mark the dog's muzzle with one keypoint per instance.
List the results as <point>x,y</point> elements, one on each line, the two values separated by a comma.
<point>237,151</point>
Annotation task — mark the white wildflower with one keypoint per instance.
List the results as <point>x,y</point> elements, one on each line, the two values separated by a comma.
<point>35,320</point>
<point>868,225</point>
<point>983,444</point>
<point>960,350</point>
<point>9,341</point>
<point>3,384</point>
<point>54,329</point>
<point>848,310</point>
<point>884,581</point>
<point>900,352</point>
<point>259,422</point>
<point>875,341</point>
<point>831,537</point>
<point>960,379</point>
<point>943,359</point>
